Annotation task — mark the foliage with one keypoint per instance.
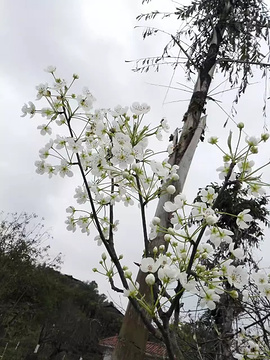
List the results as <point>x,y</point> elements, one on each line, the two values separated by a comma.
<point>243,24</point>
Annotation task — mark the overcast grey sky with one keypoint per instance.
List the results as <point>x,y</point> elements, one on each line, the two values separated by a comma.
<point>93,39</point>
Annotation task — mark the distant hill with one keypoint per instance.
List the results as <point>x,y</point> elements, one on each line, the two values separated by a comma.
<point>65,316</point>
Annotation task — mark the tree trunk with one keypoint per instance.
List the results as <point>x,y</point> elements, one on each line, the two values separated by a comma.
<point>226,312</point>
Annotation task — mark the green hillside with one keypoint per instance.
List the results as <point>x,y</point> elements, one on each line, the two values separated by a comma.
<point>39,305</point>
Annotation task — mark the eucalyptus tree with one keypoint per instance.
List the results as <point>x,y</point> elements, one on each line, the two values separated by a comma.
<point>228,36</point>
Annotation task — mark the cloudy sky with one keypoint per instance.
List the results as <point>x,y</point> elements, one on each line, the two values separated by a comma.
<point>94,39</point>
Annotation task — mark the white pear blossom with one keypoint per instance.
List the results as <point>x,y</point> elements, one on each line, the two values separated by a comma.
<point>177,220</point>
<point>60,142</point>
<point>119,110</point>
<point>163,260</point>
<point>178,203</point>
<point>50,69</point>
<point>246,166</point>
<point>47,112</point>
<point>159,134</point>
<point>71,224</point>
<point>31,109</point>
<point>198,210</point>
<point>45,129</point>
<point>208,195</point>
<point>51,170</point>
<point>70,210</point>
<point>98,240</point>
<point>252,140</point>
<point>218,235</point>
<point>182,251</point>
<point>61,120</point>
<point>261,279</point>
<point>256,190</point>
<point>74,145</point>
<point>170,149</point>
<point>122,156</point>
<point>139,109</point>
<point>153,231</point>
<point>42,90</point>
<point>80,195</point>
<point>225,266</point>
<point>132,290</point>
<point>165,125</point>
<point>44,153</point>
<point>243,218</point>
<point>210,216</point>
<point>265,291</point>
<point>223,172</point>
<point>148,264</point>
<point>41,167</point>
<point>83,223</point>
<point>237,252</point>
<point>237,276</point>
<point>85,101</point>
<point>161,169</point>
<point>127,200</point>
<point>167,274</point>
<point>208,298</point>
<point>59,84</point>
<point>64,169</point>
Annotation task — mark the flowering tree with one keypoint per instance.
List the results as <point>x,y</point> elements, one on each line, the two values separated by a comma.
<point>222,35</point>
<point>112,151</point>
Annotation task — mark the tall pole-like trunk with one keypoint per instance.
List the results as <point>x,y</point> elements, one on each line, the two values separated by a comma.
<point>133,335</point>
<point>226,313</point>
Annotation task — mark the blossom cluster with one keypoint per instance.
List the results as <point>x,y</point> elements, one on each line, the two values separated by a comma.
<point>109,146</point>
<point>185,257</point>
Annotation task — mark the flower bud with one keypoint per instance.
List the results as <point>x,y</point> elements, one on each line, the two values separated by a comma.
<point>150,279</point>
<point>162,248</point>
<point>233,294</point>
<point>171,189</point>
<point>155,250</point>
<point>104,256</point>
<point>240,125</point>
<point>128,274</point>
<point>265,137</point>
<point>175,177</point>
<point>121,257</point>
<point>156,220</point>
<point>94,269</point>
<point>226,158</point>
<point>167,237</point>
<point>135,167</point>
<point>254,149</point>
